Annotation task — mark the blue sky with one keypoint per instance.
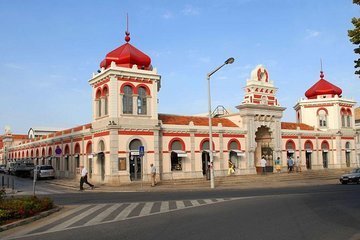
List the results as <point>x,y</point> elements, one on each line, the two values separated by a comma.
<point>49,49</point>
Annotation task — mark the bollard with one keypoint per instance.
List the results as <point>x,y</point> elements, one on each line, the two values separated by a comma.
<point>8,182</point>
<point>2,181</point>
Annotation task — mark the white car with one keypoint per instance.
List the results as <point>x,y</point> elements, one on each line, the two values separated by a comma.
<point>43,171</point>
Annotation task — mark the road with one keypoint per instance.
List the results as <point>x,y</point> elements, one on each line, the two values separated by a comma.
<point>316,212</point>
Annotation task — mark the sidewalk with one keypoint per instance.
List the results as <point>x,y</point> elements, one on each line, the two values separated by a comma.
<point>270,180</point>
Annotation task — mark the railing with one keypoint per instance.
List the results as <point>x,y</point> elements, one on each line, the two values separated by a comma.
<point>7,181</point>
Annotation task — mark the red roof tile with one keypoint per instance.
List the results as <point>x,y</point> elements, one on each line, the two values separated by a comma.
<point>322,87</point>
<point>293,126</point>
<point>198,121</point>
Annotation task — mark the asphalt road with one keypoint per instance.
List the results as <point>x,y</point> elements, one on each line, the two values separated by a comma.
<point>321,212</point>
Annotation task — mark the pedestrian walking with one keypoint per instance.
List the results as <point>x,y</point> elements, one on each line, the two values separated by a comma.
<point>263,164</point>
<point>83,179</point>
<point>290,163</point>
<point>153,175</point>
<point>277,165</point>
<point>231,167</point>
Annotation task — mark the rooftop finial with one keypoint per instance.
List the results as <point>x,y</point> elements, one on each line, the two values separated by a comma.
<point>321,70</point>
<point>127,33</point>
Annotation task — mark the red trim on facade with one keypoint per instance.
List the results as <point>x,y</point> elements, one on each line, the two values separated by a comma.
<point>147,89</point>
<point>234,140</point>
<point>103,81</point>
<point>206,135</point>
<point>121,152</point>
<point>348,138</point>
<point>176,139</point>
<point>98,94</point>
<point>105,90</point>
<point>234,135</point>
<point>87,126</point>
<point>102,134</point>
<point>327,138</point>
<point>176,134</point>
<point>87,137</point>
<point>319,105</point>
<point>79,128</point>
<point>130,85</point>
<point>145,80</point>
<point>121,132</point>
<point>206,140</point>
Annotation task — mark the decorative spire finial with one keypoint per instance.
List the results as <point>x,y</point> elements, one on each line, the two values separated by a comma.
<point>321,70</point>
<point>127,33</point>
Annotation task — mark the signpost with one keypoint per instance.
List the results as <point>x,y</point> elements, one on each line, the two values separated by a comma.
<point>141,154</point>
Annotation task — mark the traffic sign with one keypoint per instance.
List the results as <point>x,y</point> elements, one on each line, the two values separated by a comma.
<point>141,150</point>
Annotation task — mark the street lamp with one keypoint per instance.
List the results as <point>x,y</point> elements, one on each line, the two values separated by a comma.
<point>212,180</point>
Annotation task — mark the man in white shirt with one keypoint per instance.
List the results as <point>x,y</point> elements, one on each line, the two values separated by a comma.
<point>83,179</point>
<point>153,175</point>
<point>263,164</point>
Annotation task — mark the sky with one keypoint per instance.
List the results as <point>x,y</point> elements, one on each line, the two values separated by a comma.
<point>49,50</point>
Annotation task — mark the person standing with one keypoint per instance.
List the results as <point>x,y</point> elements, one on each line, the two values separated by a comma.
<point>83,179</point>
<point>153,175</point>
<point>290,163</point>
<point>277,165</point>
<point>263,164</point>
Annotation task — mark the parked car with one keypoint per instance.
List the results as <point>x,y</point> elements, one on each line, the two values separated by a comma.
<point>23,168</point>
<point>43,171</point>
<point>352,177</point>
<point>2,168</point>
<point>10,168</point>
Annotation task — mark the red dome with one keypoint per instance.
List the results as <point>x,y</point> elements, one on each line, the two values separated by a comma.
<point>126,56</point>
<point>322,87</point>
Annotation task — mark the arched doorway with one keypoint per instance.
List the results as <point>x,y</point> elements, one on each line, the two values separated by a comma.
<point>264,149</point>
<point>347,154</point>
<point>235,152</point>
<point>90,158</point>
<point>205,157</point>
<point>77,157</point>
<point>101,159</point>
<point>308,149</point>
<point>135,160</point>
<point>325,150</point>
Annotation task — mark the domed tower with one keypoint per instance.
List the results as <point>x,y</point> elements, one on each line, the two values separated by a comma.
<point>125,88</point>
<point>325,108</point>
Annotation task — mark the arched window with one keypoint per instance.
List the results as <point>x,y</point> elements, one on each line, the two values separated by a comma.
<point>322,116</point>
<point>343,116</point>
<point>77,154</point>
<point>50,152</point>
<point>89,147</point>
<point>101,146</point>
<point>177,154</point>
<point>290,148</point>
<point>128,100</point>
<point>347,153</point>
<point>106,100</point>
<point>98,103</point>
<point>234,145</point>
<point>134,145</point>
<point>141,101</point>
<point>325,150</point>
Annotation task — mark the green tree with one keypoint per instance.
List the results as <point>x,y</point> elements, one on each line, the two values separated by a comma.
<point>354,35</point>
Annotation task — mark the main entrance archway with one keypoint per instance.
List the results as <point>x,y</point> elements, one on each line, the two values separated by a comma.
<point>264,148</point>
<point>135,160</point>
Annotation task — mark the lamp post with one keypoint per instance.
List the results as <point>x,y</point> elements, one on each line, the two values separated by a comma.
<point>212,180</point>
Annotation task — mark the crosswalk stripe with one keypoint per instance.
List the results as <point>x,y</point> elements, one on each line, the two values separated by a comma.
<point>164,206</point>
<point>146,209</point>
<point>103,215</point>
<point>195,203</point>
<point>75,219</point>
<point>123,214</point>
<point>207,201</point>
<point>180,204</point>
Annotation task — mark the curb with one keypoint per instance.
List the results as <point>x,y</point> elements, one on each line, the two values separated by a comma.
<point>30,219</point>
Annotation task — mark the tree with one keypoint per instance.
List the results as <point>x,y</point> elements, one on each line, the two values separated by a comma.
<point>354,35</point>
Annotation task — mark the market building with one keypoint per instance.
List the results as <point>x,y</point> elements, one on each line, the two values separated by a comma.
<point>127,133</point>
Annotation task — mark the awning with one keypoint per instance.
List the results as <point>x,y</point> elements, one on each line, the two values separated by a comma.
<point>348,150</point>
<point>290,151</point>
<point>134,153</point>
<point>239,153</point>
<point>309,150</point>
<point>208,151</point>
<point>325,150</point>
<point>180,153</point>
<point>76,155</point>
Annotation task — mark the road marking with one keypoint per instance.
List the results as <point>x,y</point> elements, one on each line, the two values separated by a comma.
<point>103,215</point>
<point>75,219</point>
<point>123,214</point>
<point>164,206</point>
<point>146,209</point>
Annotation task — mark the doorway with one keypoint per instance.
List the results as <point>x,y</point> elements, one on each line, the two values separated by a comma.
<point>325,159</point>
<point>101,159</point>
<point>135,167</point>
<point>205,161</point>
<point>308,160</point>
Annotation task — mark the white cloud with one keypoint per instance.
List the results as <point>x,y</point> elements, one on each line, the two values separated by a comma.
<point>13,66</point>
<point>168,15</point>
<point>190,10</point>
<point>312,34</point>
